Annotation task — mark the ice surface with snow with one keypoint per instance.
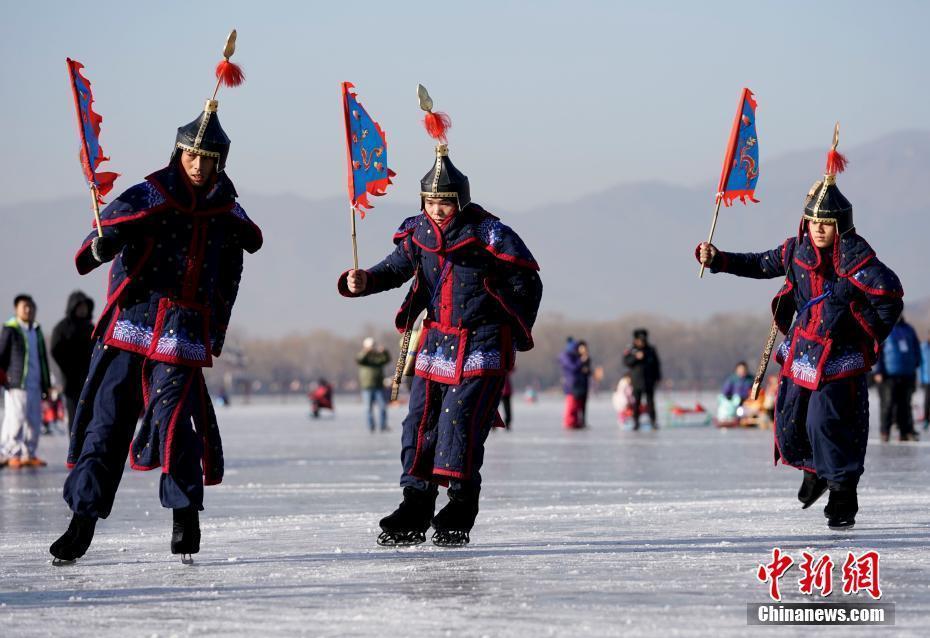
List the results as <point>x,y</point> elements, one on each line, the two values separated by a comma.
<point>598,532</point>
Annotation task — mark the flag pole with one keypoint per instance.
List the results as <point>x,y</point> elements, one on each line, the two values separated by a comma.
<point>93,197</point>
<point>713,227</point>
<point>354,239</point>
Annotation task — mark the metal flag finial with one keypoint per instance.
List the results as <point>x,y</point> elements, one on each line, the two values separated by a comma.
<point>230,47</point>
<point>426,102</point>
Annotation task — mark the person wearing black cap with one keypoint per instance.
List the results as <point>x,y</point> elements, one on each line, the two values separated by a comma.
<point>176,242</point>
<point>479,286</point>
<point>645,373</point>
<point>836,307</point>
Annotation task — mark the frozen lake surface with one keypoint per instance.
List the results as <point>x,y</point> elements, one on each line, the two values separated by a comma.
<point>600,532</point>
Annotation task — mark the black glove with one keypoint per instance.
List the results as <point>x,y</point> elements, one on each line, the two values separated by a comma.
<point>103,249</point>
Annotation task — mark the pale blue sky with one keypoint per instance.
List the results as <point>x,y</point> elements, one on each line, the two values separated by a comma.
<point>549,100</point>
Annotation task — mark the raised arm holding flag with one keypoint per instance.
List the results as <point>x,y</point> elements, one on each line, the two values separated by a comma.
<point>741,163</point>
<point>478,284</point>
<point>837,304</point>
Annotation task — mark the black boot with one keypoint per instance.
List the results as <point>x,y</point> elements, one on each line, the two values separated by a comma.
<point>185,533</point>
<point>74,542</point>
<point>841,508</point>
<point>407,525</point>
<point>453,523</point>
<point>812,488</point>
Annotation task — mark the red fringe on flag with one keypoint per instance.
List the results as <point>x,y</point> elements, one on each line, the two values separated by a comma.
<point>836,162</point>
<point>436,125</point>
<point>229,73</point>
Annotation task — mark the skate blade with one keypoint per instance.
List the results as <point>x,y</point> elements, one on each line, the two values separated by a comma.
<point>386,539</point>
<point>841,528</point>
<point>450,539</point>
<point>187,559</point>
<point>61,562</point>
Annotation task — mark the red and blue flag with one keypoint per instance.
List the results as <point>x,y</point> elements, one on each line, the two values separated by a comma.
<point>89,130</point>
<point>741,164</point>
<point>367,150</point>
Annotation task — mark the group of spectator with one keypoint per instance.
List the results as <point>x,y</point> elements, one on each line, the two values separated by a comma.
<point>644,372</point>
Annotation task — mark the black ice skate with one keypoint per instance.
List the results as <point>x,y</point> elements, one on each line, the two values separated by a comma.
<point>185,534</point>
<point>812,488</point>
<point>408,524</point>
<point>841,509</point>
<point>453,523</point>
<point>74,542</point>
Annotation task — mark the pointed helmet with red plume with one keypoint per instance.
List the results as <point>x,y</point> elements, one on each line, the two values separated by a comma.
<point>204,136</point>
<point>825,203</point>
<point>444,180</point>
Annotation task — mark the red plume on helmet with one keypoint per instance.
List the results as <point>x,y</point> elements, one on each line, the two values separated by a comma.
<point>437,124</point>
<point>229,73</point>
<point>836,162</point>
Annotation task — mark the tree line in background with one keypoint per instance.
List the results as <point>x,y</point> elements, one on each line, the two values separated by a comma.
<point>695,355</point>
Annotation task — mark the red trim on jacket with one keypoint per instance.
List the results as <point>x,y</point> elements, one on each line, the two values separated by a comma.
<point>440,242</point>
<point>195,258</point>
<point>205,425</point>
<point>461,334</point>
<point>526,331</point>
<point>875,291</point>
<point>480,412</point>
<point>164,305</point>
<point>172,425</point>
<point>114,297</point>
<point>779,455</point>
<point>867,327</point>
<point>446,294</point>
<point>421,429</point>
<point>827,344</point>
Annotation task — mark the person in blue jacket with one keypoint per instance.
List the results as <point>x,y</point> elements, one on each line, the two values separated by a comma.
<point>896,376</point>
<point>576,375</point>
<point>738,384</point>
<point>837,305</point>
<point>925,380</point>
<point>479,286</point>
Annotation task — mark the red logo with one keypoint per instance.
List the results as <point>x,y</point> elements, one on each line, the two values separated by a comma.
<point>817,575</point>
<point>860,574</point>
<point>774,571</point>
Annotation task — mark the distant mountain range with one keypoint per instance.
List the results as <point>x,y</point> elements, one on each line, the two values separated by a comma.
<point>626,249</point>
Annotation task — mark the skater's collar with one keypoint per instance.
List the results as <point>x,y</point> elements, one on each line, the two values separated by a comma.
<point>181,194</point>
<point>849,254</point>
<point>434,237</point>
<point>445,223</point>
